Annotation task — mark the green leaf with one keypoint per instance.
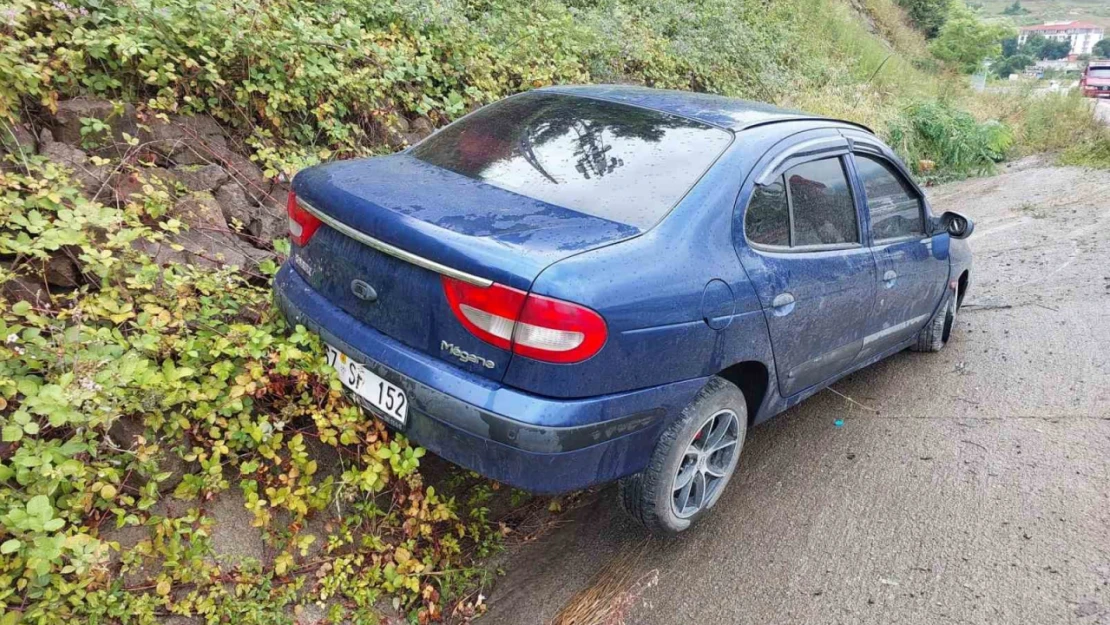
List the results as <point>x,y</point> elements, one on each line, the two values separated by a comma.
<point>10,546</point>
<point>54,525</point>
<point>39,506</point>
<point>21,308</point>
<point>11,433</point>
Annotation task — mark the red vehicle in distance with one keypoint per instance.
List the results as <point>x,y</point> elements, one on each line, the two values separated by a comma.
<point>1095,82</point>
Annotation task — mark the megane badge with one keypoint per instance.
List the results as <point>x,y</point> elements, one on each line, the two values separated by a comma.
<point>364,291</point>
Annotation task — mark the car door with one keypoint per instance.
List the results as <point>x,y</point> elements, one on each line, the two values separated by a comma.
<point>912,264</point>
<point>804,252</point>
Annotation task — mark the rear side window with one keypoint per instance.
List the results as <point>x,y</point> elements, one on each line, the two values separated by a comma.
<point>618,162</point>
<point>811,204</point>
<point>768,218</point>
<point>895,206</point>
<point>821,204</point>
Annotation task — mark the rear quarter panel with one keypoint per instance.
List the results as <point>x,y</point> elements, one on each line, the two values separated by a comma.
<point>650,290</point>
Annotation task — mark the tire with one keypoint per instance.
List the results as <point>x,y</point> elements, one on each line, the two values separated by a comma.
<point>651,496</point>
<point>934,336</point>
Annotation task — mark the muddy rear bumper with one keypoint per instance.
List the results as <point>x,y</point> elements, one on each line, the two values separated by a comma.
<point>542,445</point>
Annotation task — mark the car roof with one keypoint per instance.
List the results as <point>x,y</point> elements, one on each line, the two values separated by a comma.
<point>731,113</point>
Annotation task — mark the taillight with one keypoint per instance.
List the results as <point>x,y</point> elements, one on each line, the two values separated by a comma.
<point>302,224</point>
<point>535,326</point>
<point>488,312</point>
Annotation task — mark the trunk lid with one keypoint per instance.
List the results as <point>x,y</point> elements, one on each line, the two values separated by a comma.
<point>442,217</point>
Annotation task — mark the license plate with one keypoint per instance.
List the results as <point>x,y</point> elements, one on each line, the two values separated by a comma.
<point>369,388</point>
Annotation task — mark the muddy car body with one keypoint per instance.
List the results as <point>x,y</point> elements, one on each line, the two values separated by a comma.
<point>583,284</point>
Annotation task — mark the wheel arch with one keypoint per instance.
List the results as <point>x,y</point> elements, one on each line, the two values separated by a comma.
<point>753,379</point>
<point>964,281</point>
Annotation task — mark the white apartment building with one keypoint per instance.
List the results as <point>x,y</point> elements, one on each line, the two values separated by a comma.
<point>1082,35</point>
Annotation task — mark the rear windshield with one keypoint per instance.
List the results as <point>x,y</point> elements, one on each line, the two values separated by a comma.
<point>1099,72</point>
<point>622,163</point>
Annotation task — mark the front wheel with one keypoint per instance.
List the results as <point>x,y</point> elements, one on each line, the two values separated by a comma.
<point>692,462</point>
<point>934,336</point>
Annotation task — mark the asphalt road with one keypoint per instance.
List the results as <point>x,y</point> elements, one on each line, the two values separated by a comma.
<point>969,486</point>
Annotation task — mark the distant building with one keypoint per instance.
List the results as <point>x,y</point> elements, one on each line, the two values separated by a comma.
<point>1082,35</point>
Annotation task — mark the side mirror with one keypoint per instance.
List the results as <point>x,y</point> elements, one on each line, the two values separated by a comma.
<point>958,226</point>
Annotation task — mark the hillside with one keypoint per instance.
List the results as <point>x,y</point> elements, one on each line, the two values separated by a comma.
<point>1040,11</point>
<point>171,450</point>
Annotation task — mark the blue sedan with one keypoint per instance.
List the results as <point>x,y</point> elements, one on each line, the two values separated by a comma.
<point>577,285</point>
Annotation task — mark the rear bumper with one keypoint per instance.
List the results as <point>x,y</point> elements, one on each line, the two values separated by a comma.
<point>539,444</point>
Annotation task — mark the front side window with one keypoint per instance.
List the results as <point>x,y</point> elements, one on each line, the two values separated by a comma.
<point>895,205</point>
<point>811,204</point>
<point>821,203</point>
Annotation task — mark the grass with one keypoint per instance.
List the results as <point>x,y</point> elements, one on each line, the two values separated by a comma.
<point>1040,11</point>
<point>1093,152</point>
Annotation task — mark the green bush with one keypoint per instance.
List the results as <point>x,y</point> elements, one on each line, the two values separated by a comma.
<point>928,15</point>
<point>1091,152</point>
<point>302,81</point>
<point>951,139</point>
<point>1053,122</point>
<point>216,379</point>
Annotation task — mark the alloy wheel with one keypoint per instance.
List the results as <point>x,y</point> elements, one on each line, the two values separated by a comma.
<point>705,464</point>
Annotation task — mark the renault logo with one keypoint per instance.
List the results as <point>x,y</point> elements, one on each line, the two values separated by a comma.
<point>364,291</point>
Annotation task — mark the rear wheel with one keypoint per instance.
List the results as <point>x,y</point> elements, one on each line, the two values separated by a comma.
<point>692,463</point>
<point>934,335</point>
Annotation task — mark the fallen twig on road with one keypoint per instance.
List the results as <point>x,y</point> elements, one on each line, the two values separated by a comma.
<point>975,307</point>
<point>865,407</point>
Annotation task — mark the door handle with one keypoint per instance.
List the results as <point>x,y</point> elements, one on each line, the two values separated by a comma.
<point>889,277</point>
<point>783,304</point>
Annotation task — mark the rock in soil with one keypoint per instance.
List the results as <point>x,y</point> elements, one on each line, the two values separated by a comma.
<point>20,288</point>
<point>201,177</point>
<point>129,187</point>
<point>235,204</point>
<point>63,270</point>
<point>120,119</point>
<point>199,211</point>
<point>233,538</point>
<point>185,139</point>
<point>16,139</point>
<point>91,177</point>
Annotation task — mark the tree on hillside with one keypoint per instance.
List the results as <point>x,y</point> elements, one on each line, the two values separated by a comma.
<point>1015,9</point>
<point>1012,65</point>
<point>928,16</point>
<point>1101,49</point>
<point>1056,50</point>
<point>965,41</point>
<point>1009,47</point>
<point>1039,47</point>
<point>1034,46</point>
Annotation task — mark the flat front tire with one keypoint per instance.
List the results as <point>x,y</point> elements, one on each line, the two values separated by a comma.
<point>692,462</point>
<point>934,335</point>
